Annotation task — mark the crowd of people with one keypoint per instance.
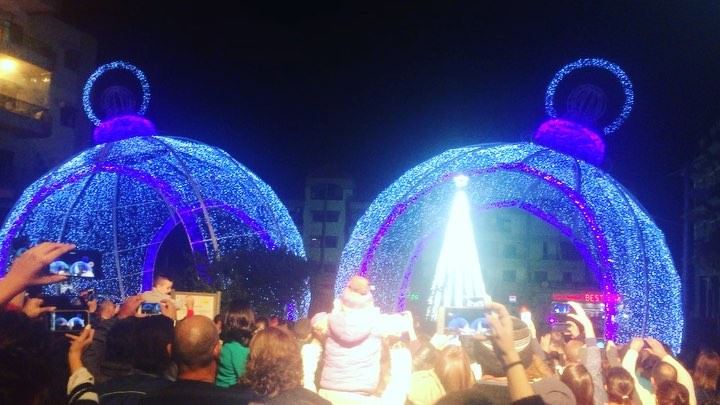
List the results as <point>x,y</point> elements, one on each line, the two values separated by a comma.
<point>352,354</point>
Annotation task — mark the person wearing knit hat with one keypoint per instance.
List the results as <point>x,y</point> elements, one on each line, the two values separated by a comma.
<point>494,384</point>
<point>357,294</point>
<point>353,347</point>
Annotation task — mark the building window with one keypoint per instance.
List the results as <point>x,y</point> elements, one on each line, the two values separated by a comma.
<point>72,59</point>
<point>510,252</point>
<point>509,276</point>
<point>11,32</point>
<point>502,223</point>
<point>540,276</point>
<point>550,251</point>
<point>325,216</point>
<point>489,248</point>
<point>567,277</point>
<point>330,241</point>
<point>569,252</point>
<point>24,88</point>
<point>326,192</point>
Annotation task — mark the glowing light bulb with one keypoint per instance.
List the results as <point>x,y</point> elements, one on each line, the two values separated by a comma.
<point>461,180</point>
<point>8,65</point>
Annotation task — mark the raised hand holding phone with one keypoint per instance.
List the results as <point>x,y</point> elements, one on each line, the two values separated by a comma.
<point>582,318</point>
<point>27,269</point>
<point>78,344</point>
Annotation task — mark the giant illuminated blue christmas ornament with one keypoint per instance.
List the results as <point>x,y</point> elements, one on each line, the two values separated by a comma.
<point>126,194</point>
<point>555,178</point>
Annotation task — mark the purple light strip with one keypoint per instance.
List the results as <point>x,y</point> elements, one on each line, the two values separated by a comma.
<point>410,267</point>
<point>602,266</point>
<point>152,252</point>
<point>162,233</point>
<point>163,188</point>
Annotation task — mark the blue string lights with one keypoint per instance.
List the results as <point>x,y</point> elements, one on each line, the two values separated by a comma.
<point>117,65</point>
<point>123,198</point>
<point>620,244</point>
<point>594,63</point>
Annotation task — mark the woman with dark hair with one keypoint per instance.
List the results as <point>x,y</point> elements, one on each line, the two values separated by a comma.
<point>274,370</point>
<point>671,393</point>
<point>577,378</point>
<point>619,386</point>
<point>238,324</point>
<point>705,376</point>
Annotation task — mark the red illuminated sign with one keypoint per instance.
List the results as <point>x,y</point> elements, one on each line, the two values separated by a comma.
<point>589,297</point>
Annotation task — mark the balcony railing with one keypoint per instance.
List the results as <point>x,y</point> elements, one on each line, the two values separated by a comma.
<point>14,40</point>
<point>25,109</point>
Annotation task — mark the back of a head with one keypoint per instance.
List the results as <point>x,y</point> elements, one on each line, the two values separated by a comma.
<point>120,343</point>
<point>150,354</point>
<point>160,279</point>
<point>25,346</point>
<point>274,364</point>
<point>620,386</point>
<point>452,367</point>
<point>707,370</point>
<point>647,363</point>
<point>239,322</point>
<point>195,340</point>
<point>485,355</point>
<point>663,372</point>
<point>471,396</point>
<point>672,393</point>
<point>577,378</point>
<point>424,356</point>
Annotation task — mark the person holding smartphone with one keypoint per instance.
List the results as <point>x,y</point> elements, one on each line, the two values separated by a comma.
<point>502,337</point>
<point>591,358</point>
<point>27,270</point>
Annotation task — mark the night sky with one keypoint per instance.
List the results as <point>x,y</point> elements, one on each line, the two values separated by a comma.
<point>374,89</point>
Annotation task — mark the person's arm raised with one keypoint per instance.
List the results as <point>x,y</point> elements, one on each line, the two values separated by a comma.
<point>501,325</point>
<point>26,270</point>
<point>683,376</point>
<point>81,383</point>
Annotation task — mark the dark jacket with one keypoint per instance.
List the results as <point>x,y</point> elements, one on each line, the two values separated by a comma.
<point>187,392</point>
<point>129,390</point>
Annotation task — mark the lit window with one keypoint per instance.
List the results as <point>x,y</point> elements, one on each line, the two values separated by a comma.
<point>24,88</point>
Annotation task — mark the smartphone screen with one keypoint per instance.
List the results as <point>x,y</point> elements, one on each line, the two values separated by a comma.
<point>68,321</point>
<point>561,308</point>
<point>78,263</point>
<point>150,308</point>
<point>465,321</point>
<point>526,316</point>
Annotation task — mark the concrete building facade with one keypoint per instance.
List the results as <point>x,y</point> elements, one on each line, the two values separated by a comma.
<point>44,63</point>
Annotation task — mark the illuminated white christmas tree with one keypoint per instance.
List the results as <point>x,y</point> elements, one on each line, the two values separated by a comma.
<point>458,277</point>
